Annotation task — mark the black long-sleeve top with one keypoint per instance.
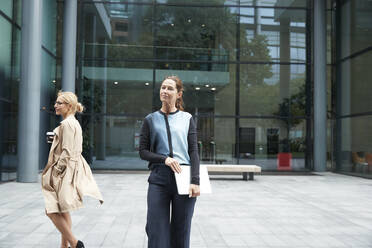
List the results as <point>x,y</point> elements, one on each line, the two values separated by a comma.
<point>172,135</point>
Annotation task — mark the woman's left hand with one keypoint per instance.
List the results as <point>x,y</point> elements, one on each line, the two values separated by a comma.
<point>194,190</point>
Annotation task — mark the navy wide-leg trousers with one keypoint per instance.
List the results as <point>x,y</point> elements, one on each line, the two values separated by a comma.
<point>168,213</point>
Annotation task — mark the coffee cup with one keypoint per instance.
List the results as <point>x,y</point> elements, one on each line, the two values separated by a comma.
<point>50,136</point>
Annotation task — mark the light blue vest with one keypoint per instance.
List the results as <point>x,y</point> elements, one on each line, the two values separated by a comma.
<point>179,123</point>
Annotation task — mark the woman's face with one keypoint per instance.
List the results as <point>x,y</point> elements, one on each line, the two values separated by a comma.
<point>168,92</point>
<point>61,107</point>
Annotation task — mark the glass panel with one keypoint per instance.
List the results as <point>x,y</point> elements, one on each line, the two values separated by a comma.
<point>116,143</point>
<point>329,36</point>
<point>49,25</point>
<point>297,142</point>
<point>272,90</point>
<point>356,31</point>
<point>274,3</point>
<point>361,88</point>
<point>116,100</point>
<point>6,7</point>
<point>272,35</point>
<point>355,87</point>
<point>5,46</point>
<point>18,11</point>
<point>17,54</point>
<point>128,32</point>
<point>9,79</point>
<point>274,144</point>
<point>356,145</point>
<point>216,139</point>
<point>123,91</point>
<point>209,89</point>
<point>198,2</point>
<point>210,36</point>
<point>124,3</point>
<point>48,93</point>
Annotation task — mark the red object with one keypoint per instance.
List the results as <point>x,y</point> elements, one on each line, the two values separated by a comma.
<point>284,161</point>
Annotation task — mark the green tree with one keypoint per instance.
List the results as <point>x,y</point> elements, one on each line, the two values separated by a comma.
<point>256,50</point>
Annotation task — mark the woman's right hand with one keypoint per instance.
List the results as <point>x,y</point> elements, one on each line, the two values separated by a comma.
<point>173,164</point>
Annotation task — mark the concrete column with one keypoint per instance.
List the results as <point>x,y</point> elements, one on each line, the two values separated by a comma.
<point>101,125</point>
<point>320,86</point>
<point>257,20</point>
<point>29,92</point>
<point>69,45</point>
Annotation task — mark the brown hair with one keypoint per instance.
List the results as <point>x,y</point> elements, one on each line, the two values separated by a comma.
<point>179,86</point>
<point>71,99</point>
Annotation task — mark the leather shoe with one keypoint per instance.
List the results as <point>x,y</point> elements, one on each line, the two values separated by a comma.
<point>80,244</point>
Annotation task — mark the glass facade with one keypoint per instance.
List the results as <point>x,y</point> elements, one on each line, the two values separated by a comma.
<point>10,50</point>
<point>246,67</point>
<point>243,64</point>
<point>353,102</point>
<point>9,81</point>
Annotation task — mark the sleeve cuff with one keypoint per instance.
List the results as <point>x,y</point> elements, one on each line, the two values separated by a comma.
<point>195,180</point>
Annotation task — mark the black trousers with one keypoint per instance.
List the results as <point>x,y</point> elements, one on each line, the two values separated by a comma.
<point>163,230</point>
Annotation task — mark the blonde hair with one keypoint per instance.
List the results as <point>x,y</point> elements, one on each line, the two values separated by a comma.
<point>71,99</point>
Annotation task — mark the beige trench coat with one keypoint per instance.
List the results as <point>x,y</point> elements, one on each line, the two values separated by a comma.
<point>67,176</point>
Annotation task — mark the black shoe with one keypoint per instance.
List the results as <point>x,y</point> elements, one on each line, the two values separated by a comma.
<point>80,244</point>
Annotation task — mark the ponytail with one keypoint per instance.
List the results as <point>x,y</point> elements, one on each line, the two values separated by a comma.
<point>179,104</point>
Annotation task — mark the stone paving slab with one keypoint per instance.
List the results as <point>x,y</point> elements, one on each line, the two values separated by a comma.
<point>326,210</point>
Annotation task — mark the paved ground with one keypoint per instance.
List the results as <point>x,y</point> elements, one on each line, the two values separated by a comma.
<point>328,210</point>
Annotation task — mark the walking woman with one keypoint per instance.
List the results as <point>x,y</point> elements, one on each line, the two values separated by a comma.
<point>67,176</point>
<point>168,139</point>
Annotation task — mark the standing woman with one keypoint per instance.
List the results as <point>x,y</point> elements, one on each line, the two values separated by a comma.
<point>169,139</point>
<point>67,176</point>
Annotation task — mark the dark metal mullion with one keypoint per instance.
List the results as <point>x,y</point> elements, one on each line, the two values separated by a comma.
<point>10,19</point>
<point>237,88</point>
<point>154,33</point>
<point>13,48</point>
<point>48,52</point>
<point>369,113</point>
<point>308,89</point>
<point>333,90</point>
<point>356,54</point>
<point>197,61</point>
<point>81,33</point>
<point>192,5</point>
<point>337,138</point>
